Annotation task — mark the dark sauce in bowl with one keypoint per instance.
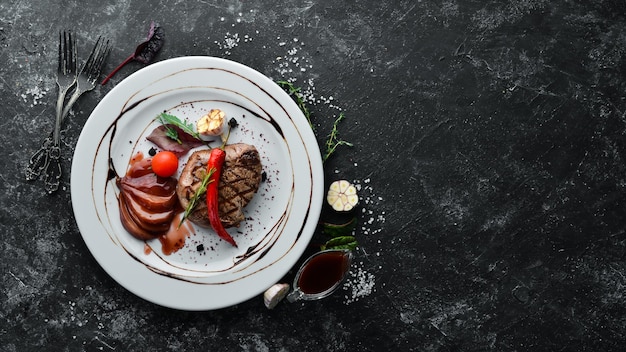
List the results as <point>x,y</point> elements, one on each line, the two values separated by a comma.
<point>323,272</point>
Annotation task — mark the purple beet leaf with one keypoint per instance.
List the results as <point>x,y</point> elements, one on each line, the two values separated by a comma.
<point>146,51</point>
<point>180,146</point>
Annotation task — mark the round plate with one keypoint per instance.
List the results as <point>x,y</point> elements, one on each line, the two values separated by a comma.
<point>207,273</point>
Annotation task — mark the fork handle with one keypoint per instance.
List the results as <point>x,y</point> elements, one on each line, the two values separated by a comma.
<point>46,159</point>
<point>52,172</point>
<point>39,160</point>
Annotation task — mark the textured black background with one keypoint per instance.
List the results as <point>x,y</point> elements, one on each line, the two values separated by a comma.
<point>489,145</point>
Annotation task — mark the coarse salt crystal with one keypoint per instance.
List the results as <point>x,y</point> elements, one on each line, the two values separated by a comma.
<point>359,284</point>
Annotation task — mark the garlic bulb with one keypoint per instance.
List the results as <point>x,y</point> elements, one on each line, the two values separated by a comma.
<point>342,196</point>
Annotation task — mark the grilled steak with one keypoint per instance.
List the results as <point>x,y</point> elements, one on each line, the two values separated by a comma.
<point>239,181</point>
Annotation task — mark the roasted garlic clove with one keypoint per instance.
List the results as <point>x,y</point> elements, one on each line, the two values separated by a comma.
<point>212,124</point>
<point>275,294</point>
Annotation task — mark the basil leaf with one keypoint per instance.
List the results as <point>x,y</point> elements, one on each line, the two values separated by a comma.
<point>336,230</point>
<point>341,242</point>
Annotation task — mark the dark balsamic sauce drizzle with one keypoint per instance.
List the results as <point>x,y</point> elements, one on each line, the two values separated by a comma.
<point>259,249</point>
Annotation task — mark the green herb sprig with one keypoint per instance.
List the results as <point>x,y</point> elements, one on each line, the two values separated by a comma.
<point>196,196</point>
<point>187,127</point>
<point>297,96</point>
<point>333,140</point>
<point>341,242</point>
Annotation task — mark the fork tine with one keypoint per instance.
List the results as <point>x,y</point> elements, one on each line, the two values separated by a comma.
<point>71,62</point>
<point>90,59</point>
<point>103,55</point>
<point>67,47</point>
<point>95,65</point>
<point>60,53</point>
<point>67,53</point>
<point>97,54</point>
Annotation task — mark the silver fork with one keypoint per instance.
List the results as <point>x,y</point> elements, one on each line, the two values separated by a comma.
<point>85,82</point>
<point>47,158</point>
<point>66,79</point>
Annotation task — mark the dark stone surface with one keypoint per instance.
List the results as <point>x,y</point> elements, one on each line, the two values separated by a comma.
<point>489,144</point>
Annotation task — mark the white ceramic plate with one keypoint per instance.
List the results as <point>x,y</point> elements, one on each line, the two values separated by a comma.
<point>207,273</point>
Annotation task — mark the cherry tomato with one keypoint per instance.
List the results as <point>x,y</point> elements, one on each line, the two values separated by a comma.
<point>164,164</point>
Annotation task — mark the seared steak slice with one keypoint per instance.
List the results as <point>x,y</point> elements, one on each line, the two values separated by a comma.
<point>239,181</point>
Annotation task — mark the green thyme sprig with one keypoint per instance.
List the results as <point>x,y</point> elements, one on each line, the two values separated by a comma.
<point>196,196</point>
<point>297,96</point>
<point>333,140</point>
<point>187,127</point>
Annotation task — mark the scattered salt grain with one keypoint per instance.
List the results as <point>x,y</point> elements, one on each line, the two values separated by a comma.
<point>231,40</point>
<point>292,62</point>
<point>373,220</point>
<point>34,94</point>
<point>359,284</point>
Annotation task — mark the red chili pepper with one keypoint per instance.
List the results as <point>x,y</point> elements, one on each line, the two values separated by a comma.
<point>216,160</point>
